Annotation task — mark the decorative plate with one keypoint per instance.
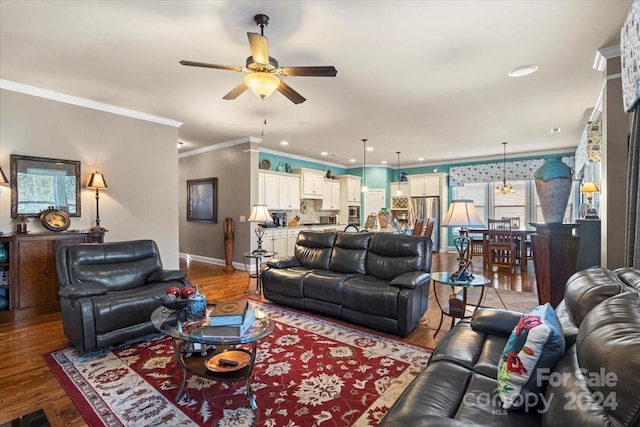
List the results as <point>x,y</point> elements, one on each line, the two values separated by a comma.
<point>265,164</point>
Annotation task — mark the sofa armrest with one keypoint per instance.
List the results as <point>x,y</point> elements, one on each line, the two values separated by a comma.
<point>411,279</point>
<point>284,262</point>
<point>76,291</point>
<point>495,321</point>
<point>166,276</point>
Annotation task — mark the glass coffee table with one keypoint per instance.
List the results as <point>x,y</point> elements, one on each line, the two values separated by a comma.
<point>207,356</point>
<point>457,307</point>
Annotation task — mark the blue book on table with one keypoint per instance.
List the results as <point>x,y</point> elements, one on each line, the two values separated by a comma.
<point>231,330</point>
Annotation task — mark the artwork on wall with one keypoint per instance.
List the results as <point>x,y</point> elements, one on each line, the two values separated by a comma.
<point>38,183</point>
<point>202,200</point>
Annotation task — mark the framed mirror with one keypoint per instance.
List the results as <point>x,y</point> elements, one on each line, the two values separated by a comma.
<point>38,183</point>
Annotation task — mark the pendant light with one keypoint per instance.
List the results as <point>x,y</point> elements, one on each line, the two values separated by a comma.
<point>399,191</point>
<point>364,165</point>
<point>504,188</point>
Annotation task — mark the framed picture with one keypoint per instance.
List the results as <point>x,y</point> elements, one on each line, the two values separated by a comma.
<point>202,200</point>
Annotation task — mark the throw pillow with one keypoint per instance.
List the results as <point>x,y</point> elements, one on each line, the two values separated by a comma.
<point>536,343</point>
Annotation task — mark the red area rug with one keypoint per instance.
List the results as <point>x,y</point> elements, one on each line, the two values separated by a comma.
<point>308,372</point>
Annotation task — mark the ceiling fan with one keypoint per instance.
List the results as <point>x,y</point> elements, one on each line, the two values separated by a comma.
<point>264,71</point>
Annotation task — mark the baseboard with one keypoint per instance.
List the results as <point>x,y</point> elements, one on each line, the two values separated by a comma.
<point>214,261</point>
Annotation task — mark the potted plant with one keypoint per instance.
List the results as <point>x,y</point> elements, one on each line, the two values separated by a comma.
<point>21,223</point>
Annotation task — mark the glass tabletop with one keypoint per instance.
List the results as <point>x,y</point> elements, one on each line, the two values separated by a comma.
<point>167,321</point>
<point>444,277</point>
<point>258,254</point>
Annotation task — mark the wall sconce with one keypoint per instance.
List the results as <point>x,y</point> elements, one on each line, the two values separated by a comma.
<point>259,214</point>
<point>98,183</point>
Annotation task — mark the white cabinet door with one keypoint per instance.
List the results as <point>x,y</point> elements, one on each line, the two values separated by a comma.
<point>331,195</point>
<point>292,236</point>
<point>289,192</point>
<point>353,191</point>
<point>267,241</point>
<point>283,193</point>
<point>432,186</point>
<point>280,242</point>
<point>271,191</point>
<point>416,187</point>
<point>312,186</point>
<point>424,186</point>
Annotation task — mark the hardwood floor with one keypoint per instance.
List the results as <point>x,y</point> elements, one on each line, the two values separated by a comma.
<point>27,384</point>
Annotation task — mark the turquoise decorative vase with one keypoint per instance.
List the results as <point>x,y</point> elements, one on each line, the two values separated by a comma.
<point>553,184</point>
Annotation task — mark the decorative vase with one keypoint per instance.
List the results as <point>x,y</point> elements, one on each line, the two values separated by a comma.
<point>280,167</point>
<point>3,254</point>
<point>228,244</point>
<point>553,184</point>
<point>197,307</point>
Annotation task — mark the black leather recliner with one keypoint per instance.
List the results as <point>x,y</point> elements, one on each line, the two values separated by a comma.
<point>109,290</point>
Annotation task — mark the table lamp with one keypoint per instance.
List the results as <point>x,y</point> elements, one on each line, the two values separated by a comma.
<point>98,183</point>
<point>462,213</point>
<point>259,214</point>
<point>589,188</point>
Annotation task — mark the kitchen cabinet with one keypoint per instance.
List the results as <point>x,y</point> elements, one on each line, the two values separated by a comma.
<point>288,192</point>
<point>279,191</point>
<point>280,240</point>
<point>354,191</point>
<point>31,279</point>
<point>349,195</point>
<point>331,195</point>
<point>311,183</point>
<point>402,186</point>
<point>292,236</point>
<point>422,185</point>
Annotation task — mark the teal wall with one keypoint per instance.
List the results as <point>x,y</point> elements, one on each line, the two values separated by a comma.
<point>296,163</point>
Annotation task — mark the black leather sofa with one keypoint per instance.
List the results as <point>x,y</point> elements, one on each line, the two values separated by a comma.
<point>595,383</point>
<point>109,290</point>
<point>377,280</point>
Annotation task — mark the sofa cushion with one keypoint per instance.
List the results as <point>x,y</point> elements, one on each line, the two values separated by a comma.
<point>366,294</point>
<point>325,285</point>
<point>588,288</point>
<point>313,249</point>
<point>391,255</point>
<point>536,343</point>
<point>286,281</point>
<point>350,252</point>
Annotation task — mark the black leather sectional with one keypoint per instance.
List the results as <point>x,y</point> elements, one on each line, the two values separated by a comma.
<point>109,290</point>
<point>595,383</point>
<point>377,280</point>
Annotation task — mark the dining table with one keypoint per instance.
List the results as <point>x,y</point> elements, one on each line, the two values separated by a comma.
<point>520,235</point>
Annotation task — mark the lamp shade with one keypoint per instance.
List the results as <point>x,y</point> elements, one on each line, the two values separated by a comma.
<point>3,178</point>
<point>462,213</point>
<point>589,187</point>
<point>97,181</point>
<point>259,213</point>
<point>262,84</point>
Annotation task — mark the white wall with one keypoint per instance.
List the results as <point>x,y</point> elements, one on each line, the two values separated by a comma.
<point>138,158</point>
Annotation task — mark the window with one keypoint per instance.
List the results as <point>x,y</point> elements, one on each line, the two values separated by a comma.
<point>476,192</point>
<point>511,205</point>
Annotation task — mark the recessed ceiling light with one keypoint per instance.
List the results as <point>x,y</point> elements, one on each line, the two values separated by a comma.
<point>369,148</point>
<point>420,159</point>
<point>352,160</point>
<point>324,153</point>
<point>556,130</point>
<point>525,70</point>
<point>284,143</point>
<point>384,162</point>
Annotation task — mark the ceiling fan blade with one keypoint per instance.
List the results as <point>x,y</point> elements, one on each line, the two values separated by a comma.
<point>236,92</point>
<point>320,71</point>
<point>259,48</point>
<point>293,96</point>
<point>205,65</point>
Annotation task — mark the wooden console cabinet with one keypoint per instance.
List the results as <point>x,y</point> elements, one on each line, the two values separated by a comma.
<point>31,284</point>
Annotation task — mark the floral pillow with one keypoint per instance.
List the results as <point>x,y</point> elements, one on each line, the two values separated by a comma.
<point>537,342</point>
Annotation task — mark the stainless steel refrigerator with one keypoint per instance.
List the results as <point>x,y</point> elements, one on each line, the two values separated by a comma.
<point>427,207</point>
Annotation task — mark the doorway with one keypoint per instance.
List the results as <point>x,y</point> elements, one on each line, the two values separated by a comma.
<point>374,200</point>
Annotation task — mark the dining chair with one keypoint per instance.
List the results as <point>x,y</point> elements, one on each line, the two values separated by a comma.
<point>417,228</point>
<point>501,245</point>
<point>428,229</point>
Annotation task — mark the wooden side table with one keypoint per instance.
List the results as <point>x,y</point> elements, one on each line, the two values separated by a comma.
<point>555,256</point>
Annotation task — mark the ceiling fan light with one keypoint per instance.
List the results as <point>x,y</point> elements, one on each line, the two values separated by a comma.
<point>262,84</point>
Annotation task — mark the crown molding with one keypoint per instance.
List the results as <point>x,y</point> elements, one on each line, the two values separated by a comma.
<point>221,145</point>
<point>87,103</point>
<point>305,159</point>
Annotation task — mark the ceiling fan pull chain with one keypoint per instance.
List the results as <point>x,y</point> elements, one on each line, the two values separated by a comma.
<point>264,117</point>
